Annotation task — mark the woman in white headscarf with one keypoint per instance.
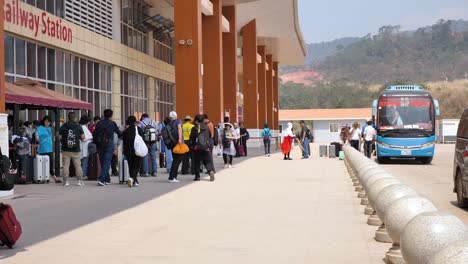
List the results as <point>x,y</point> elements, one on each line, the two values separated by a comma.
<point>288,137</point>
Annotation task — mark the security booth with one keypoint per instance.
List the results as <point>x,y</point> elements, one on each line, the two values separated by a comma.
<point>30,95</point>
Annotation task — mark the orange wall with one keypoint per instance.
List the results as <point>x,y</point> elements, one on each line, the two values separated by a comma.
<point>213,103</point>
<point>230,63</point>
<point>262,113</point>
<point>250,78</point>
<point>2,60</point>
<point>269,90</point>
<point>188,25</point>
<point>275,95</point>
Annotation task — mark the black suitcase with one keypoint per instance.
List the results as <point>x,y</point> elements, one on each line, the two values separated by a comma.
<point>337,148</point>
<point>25,169</point>
<point>162,160</point>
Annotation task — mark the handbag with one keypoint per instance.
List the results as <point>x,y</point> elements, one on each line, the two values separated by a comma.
<point>141,150</point>
<point>180,148</point>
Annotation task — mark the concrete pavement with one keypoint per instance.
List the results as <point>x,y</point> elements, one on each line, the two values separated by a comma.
<point>264,210</point>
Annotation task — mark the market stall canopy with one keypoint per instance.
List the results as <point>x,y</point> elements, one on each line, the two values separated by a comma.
<point>31,93</point>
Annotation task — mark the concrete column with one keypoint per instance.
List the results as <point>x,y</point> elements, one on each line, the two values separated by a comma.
<point>212,33</point>
<point>188,47</point>
<point>230,74</point>
<point>116,98</point>
<point>269,90</point>
<point>116,20</point>
<point>250,76</point>
<point>150,43</point>
<point>262,108</point>
<point>275,96</point>
<point>151,98</point>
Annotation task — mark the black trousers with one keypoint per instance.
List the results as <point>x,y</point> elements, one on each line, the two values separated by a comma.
<point>202,157</point>
<point>134,164</point>
<point>355,144</point>
<point>368,150</point>
<point>244,143</point>
<point>267,144</point>
<point>176,161</point>
<point>227,159</point>
<point>186,163</point>
<point>236,146</point>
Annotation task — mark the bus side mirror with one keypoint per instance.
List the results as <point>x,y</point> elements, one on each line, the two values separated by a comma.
<point>374,108</point>
<point>437,107</point>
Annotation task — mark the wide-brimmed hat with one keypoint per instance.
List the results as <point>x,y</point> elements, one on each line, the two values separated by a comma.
<point>228,124</point>
<point>187,118</point>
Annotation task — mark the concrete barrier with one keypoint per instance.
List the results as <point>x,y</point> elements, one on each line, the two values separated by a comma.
<point>410,221</point>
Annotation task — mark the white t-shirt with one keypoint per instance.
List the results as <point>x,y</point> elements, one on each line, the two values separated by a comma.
<point>355,133</point>
<point>369,133</point>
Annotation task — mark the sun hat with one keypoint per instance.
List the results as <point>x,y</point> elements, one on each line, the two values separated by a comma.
<point>173,114</point>
<point>187,118</point>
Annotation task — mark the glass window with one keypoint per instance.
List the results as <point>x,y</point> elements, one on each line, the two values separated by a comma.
<point>109,78</point>
<point>31,58</point>
<point>69,91</point>
<point>41,62</point>
<point>9,56</point>
<point>96,76</point>
<point>51,6</point>
<point>59,89</point>
<point>51,64</point>
<point>334,128</point>
<point>20,50</point>
<point>76,70</point>
<point>51,86</point>
<point>90,74</point>
<point>84,95</point>
<point>97,102</point>
<point>59,11</point>
<point>68,70</point>
<point>41,4</point>
<point>76,93</point>
<point>59,64</point>
<point>83,70</point>
<point>91,98</point>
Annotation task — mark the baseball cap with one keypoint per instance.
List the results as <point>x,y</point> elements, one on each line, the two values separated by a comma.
<point>172,114</point>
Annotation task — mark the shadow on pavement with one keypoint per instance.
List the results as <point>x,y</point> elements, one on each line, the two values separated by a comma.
<point>455,204</point>
<point>49,210</point>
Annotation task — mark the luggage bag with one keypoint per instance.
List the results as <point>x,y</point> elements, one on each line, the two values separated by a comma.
<point>241,150</point>
<point>94,167</point>
<point>124,172</point>
<point>41,169</point>
<point>162,160</point>
<point>10,228</point>
<point>332,151</point>
<point>323,151</point>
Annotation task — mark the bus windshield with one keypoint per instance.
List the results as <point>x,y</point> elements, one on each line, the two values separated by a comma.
<point>405,112</point>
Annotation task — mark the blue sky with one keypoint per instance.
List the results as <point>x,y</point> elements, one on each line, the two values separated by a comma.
<point>330,19</point>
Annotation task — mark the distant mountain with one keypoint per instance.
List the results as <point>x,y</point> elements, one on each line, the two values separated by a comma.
<point>317,52</point>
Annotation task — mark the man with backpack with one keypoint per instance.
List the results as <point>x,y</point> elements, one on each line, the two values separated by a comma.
<point>172,135</point>
<point>266,135</point>
<point>305,134</point>
<point>200,144</point>
<point>103,137</point>
<point>70,135</point>
<point>150,136</point>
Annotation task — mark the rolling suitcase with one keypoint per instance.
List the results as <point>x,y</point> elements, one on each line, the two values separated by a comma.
<point>124,173</point>
<point>241,150</point>
<point>162,160</point>
<point>94,167</point>
<point>26,170</point>
<point>10,228</point>
<point>332,151</point>
<point>41,169</point>
<point>323,151</point>
<point>337,148</point>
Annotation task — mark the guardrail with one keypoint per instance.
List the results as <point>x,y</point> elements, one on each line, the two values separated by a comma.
<point>418,231</point>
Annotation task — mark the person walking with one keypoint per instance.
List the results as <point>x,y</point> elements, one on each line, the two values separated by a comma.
<point>45,139</point>
<point>103,137</point>
<point>150,137</point>
<point>305,139</point>
<point>187,130</point>
<point>164,148</point>
<point>200,145</point>
<point>115,155</point>
<point>266,135</point>
<point>355,136</point>
<point>70,134</point>
<point>84,122</point>
<point>244,136</point>
<point>288,137</point>
<point>369,137</point>
<point>237,140</point>
<point>134,161</point>
<point>229,150</point>
<point>176,127</point>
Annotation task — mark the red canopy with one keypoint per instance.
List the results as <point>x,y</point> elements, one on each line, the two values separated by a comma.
<point>29,92</point>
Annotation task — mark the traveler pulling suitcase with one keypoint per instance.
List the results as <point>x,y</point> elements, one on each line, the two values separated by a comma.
<point>41,169</point>
<point>323,151</point>
<point>10,228</point>
<point>332,151</point>
<point>124,173</point>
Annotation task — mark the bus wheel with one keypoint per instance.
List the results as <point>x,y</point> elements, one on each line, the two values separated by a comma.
<point>426,160</point>
<point>382,160</point>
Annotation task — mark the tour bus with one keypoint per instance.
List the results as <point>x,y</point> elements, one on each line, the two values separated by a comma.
<point>405,121</point>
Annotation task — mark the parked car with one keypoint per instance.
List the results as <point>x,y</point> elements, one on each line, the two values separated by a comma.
<point>460,163</point>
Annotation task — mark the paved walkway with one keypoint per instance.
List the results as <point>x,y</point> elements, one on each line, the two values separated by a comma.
<point>264,210</point>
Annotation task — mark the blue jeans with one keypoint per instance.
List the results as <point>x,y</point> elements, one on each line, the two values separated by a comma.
<point>168,160</point>
<point>106,160</point>
<point>306,146</point>
<point>152,154</point>
<point>84,166</point>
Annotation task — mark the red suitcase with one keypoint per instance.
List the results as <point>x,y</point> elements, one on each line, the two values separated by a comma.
<point>94,167</point>
<point>10,228</point>
<point>241,150</point>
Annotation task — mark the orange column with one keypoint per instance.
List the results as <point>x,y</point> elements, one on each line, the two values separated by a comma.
<point>275,96</point>
<point>262,113</point>
<point>2,60</point>
<point>250,74</point>
<point>230,63</point>
<point>213,64</point>
<point>188,50</point>
<point>269,90</point>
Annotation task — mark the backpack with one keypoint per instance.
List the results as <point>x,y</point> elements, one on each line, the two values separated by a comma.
<point>203,139</point>
<point>266,135</point>
<point>7,179</point>
<point>149,133</point>
<point>308,133</point>
<point>247,137</point>
<point>71,140</point>
<point>22,146</point>
<point>170,136</point>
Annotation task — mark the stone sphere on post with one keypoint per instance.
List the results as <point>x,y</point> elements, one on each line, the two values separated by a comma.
<point>428,233</point>
<point>378,186</point>
<point>365,176</point>
<point>389,195</point>
<point>455,253</point>
<point>400,213</point>
<point>371,180</point>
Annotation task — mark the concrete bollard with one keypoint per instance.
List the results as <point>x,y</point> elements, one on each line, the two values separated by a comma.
<point>428,233</point>
<point>397,216</point>
<point>374,190</point>
<point>455,253</point>
<point>370,181</point>
<point>366,176</point>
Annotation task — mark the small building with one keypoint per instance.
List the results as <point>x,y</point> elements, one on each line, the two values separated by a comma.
<point>446,130</point>
<point>326,124</point>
